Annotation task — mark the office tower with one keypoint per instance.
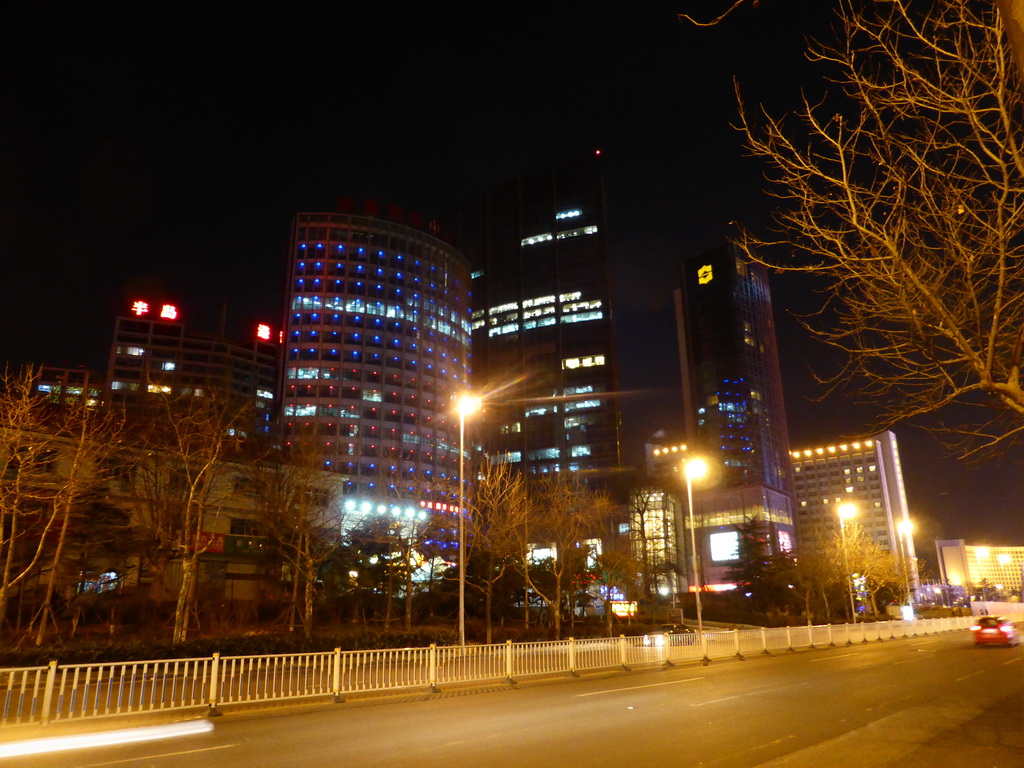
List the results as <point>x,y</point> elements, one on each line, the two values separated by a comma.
<point>543,352</point>
<point>152,353</point>
<point>375,348</point>
<point>733,407</point>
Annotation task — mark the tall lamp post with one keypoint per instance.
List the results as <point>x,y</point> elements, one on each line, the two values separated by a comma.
<point>694,469</point>
<point>847,511</point>
<point>467,405</point>
<point>905,528</point>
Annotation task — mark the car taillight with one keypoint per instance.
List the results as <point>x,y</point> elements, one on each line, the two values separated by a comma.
<point>1006,627</point>
<point>976,627</point>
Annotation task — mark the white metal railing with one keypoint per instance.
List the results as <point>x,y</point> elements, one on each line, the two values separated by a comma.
<point>130,687</point>
<point>75,691</point>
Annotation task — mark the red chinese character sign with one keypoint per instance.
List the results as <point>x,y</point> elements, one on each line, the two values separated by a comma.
<point>142,307</point>
<point>263,332</point>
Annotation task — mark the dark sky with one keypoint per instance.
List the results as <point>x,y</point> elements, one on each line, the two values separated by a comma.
<point>162,153</point>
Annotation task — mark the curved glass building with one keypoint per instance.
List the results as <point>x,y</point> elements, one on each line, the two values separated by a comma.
<point>376,341</point>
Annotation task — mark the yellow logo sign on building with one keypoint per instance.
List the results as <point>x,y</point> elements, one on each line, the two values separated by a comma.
<point>704,274</point>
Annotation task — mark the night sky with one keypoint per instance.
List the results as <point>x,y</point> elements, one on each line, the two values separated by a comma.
<point>163,154</point>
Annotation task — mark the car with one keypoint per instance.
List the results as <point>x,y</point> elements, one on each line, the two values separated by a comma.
<point>658,637</point>
<point>994,630</point>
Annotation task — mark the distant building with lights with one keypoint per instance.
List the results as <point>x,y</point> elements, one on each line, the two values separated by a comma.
<point>865,473</point>
<point>64,386</point>
<point>153,354</point>
<point>376,348</point>
<point>985,573</point>
<point>543,349</point>
<point>733,407</point>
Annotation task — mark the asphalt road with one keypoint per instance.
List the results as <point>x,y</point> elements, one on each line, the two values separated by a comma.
<point>913,703</point>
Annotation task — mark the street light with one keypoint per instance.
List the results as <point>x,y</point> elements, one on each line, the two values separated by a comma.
<point>847,511</point>
<point>694,469</point>
<point>466,406</point>
<point>905,528</point>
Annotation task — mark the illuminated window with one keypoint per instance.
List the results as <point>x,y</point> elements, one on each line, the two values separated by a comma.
<point>578,390</point>
<point>536,239</point>
<point>543,453</point>
<point>570,214</point>
<point>539,301</point>
<point>583,362</point>
<point>167,366</point>
<point>579,450</point>
<point>581,404</point>
<point>582,317</point>
<point>592,230</point>
<point>540,411</point>
<point>511,306</point>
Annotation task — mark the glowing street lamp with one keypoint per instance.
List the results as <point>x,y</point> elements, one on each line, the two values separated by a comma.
<point>694,469</point>
<point>847,511</point>
<point>467,405</point>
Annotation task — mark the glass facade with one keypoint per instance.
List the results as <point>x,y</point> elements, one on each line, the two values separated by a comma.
<point>732,396</point>
<point>375,350</point>
<point>543,351</point>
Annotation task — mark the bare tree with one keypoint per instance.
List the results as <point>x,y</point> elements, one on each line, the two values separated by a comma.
<point>85,439</point>
<point>561,515</point>
<point>180,477</point>
<point>29,508</point>
<point>496,511</point>
<point>907,196</point>
<point>300,511</point>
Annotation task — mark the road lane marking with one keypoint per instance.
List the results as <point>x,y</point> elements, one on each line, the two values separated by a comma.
<point>840,656</point>
<point>716,701</point>
<point>637,687</point>
<point>958,679</point>
<point>925,642</point>
<point>1011,661</point>
<point>163,754</point>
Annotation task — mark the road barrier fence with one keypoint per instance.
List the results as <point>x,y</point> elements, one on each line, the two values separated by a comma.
<point>64,692</point>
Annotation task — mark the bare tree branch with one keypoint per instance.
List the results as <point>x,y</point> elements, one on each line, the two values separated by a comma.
<point>907,196</point>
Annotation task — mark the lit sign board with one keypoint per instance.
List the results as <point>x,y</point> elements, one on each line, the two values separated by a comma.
<point>704,275</point>
<point>167,311</point>
<point>725,546</point>
<point>263,332</point>
<point>624,607</point>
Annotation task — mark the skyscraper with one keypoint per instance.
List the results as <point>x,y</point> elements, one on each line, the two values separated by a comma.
<point>733,405</point>
<point>543,351</point>
<point>375,345</point>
